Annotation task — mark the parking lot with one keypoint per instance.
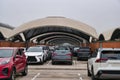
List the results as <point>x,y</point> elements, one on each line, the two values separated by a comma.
<point>60,71</point>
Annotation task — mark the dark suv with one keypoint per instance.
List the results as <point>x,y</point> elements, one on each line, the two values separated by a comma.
<point>83,53</point>
<point>12,61</point>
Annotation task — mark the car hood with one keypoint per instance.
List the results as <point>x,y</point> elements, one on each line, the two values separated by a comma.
<point>33,53</point>
<point>3,59</point>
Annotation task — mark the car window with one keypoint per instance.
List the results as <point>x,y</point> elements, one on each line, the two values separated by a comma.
<point>5,53</point>
<point>45,48</point>
<point>84,48</point>
<point>62,48</point>
<point>19,52</point>
<point>34,49</point>
<point>110,54</point>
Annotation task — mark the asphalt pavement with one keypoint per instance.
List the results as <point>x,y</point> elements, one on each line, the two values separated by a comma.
<point>60,71</point>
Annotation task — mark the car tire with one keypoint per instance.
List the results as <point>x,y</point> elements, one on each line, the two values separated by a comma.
<point>88,71</point>
<point>42,61</point>
<point>70,63</point>
<point>13,75</point>
<point>25,72</point>
<point>92,75</point>
<point>78,59</point>
<point>53,62</point>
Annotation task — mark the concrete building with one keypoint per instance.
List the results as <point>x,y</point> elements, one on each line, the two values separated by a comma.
<point>4,31</point>
<point>56,30</point>
<point>110,35</point>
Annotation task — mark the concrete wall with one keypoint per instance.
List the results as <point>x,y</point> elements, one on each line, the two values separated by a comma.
<point>14,44</point>
<point>109,44</point>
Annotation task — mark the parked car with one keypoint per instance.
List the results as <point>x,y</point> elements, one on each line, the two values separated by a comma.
<point>62,54</point>
<point>36,54</point>
<point>12,62</point>
<point>75,51</point>
<point>83,53</point>
<point>104,64</point>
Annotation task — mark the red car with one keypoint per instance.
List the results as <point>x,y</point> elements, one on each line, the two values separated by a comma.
<point>12,61</point>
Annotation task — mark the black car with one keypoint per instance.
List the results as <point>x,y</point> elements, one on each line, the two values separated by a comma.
<point>83,53</point>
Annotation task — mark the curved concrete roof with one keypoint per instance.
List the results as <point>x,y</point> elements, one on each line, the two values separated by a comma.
<point>5,29</point>
<point>55,21</point>
<point>108,34</point>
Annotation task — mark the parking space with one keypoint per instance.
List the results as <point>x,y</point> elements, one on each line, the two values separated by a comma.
<point>60,71</point>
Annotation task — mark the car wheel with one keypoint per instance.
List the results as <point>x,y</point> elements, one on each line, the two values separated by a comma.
<point>42,61</point>
<point>53,62</point>
<point>92,75</point>
<point>88,71</point>
<point>12,76</point>
<point>70,63</point>
<point>78,59</point>
<point>25,72</point>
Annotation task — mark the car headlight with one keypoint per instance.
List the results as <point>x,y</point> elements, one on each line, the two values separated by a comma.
<point>39,55</point>
<point>5,62</point>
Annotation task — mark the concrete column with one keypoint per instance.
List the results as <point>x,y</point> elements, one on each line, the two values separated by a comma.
<point>84,42</point>
<point>22,36</point>
<point>90,40</point>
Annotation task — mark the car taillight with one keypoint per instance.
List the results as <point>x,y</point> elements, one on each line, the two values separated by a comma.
<point>101,60</point>
<point>54,54</point>
<point>69,54</point>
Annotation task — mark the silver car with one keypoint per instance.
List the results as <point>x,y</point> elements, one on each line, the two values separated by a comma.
<point>62,54</point>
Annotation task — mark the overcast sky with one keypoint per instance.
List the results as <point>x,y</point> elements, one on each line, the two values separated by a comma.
<point>100,14</point>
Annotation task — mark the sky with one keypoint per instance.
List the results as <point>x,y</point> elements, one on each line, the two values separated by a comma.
<point>102,15</point>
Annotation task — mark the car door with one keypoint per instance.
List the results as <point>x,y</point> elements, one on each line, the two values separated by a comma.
<point>91,59</point>
<point>23,59</point>
<point>19,60</point>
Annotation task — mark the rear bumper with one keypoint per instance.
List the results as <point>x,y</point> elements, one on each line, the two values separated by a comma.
<point>108,74</point>
<point>82,57</point>
<point>58,60</point>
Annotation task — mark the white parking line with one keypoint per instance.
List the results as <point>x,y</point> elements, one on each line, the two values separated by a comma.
<point>49,62</point>
<point>35,76</point>
<point>74,62</point>
<point>80,78</point>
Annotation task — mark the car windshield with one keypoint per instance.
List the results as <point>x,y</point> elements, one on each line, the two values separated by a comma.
<point>110,54</point>
<point>6,53</point>
<point>62,48</point>
<point>34,49</point>
<point>85,49</point>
